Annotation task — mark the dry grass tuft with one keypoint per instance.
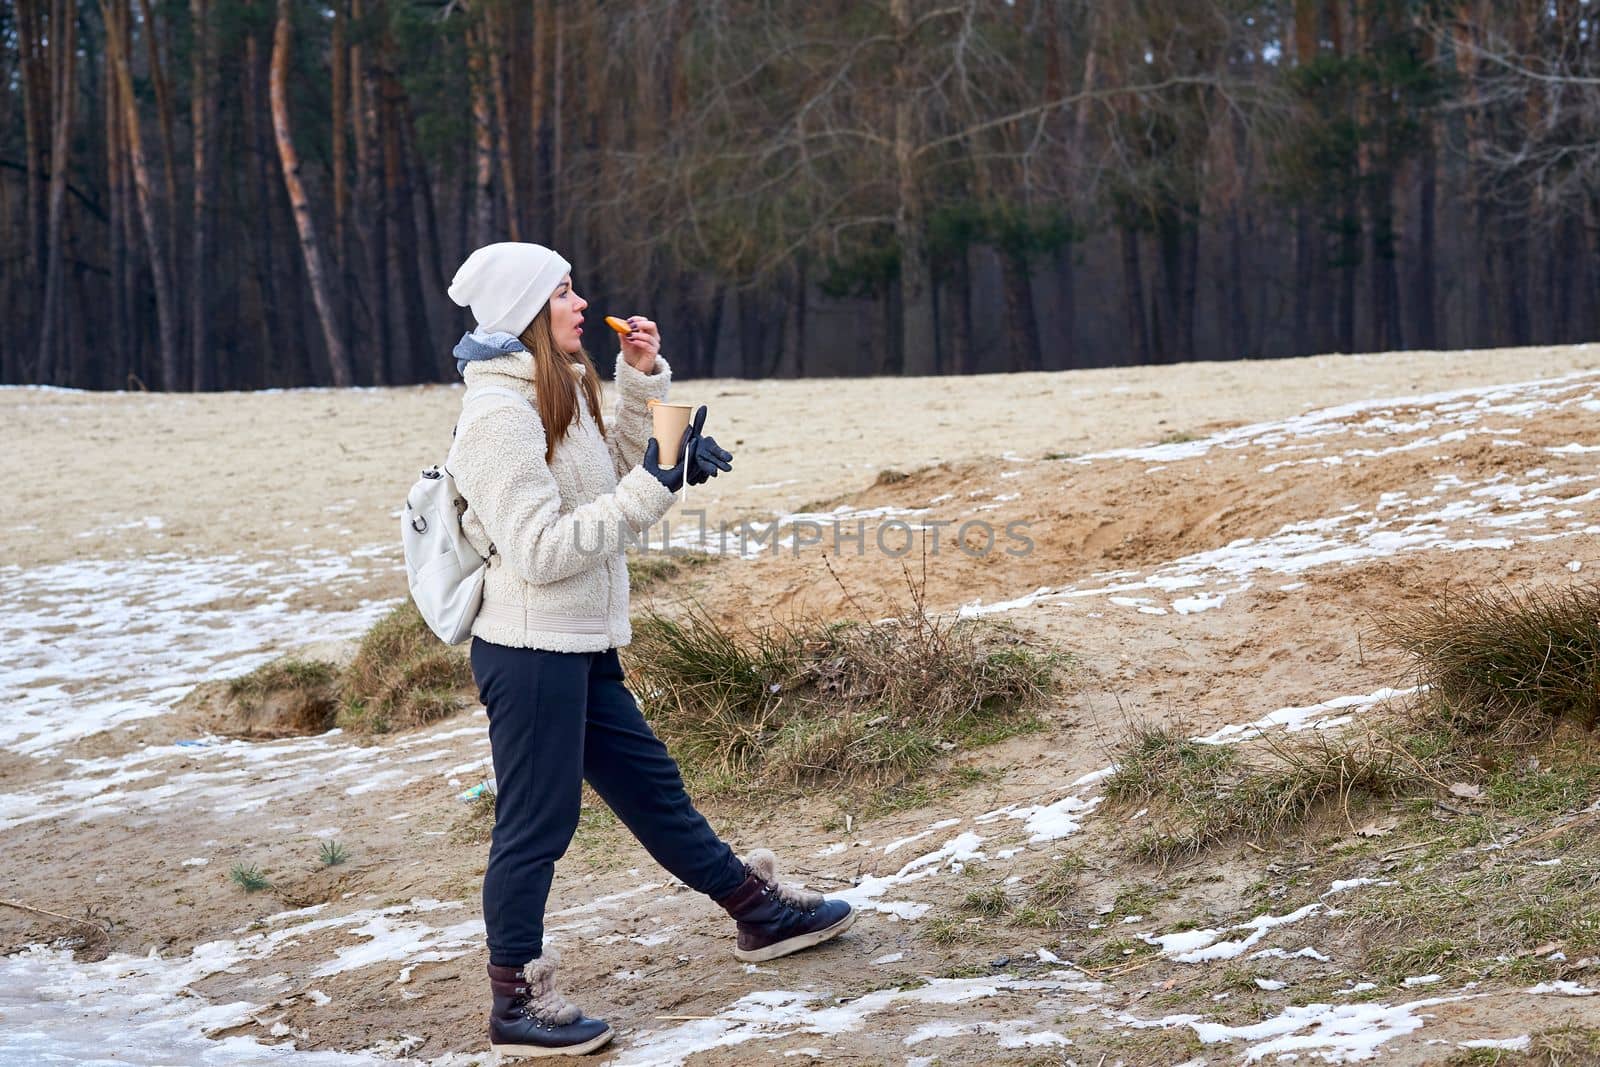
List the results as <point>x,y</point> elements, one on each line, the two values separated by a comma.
<point>1507,664</point>
<point>646,570</point>
<point>841,701</point>
<point>402,676</point>
<point>1203,794</point>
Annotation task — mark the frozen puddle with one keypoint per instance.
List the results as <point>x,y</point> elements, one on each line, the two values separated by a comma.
<point>226,779</point>
<point>86,645</point>
<point>141,1010</point>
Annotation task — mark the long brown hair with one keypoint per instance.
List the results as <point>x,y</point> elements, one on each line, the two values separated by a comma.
<point>553,386</point>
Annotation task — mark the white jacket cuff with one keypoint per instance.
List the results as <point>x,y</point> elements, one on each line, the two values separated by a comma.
<point>643,499</point>
<point>636,388</point>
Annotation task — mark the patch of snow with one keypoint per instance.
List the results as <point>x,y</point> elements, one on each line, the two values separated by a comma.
<point>1510,1044</point>
<point>1309,717</point>
<point>1564,988</point>
<point>771,1014</point>
<point>1354,883</point>
<point>1335,1033</point>
<point>69,630</point>
<point>1203,946</point>
<point>1047,822</point>
<point>1195,604</point>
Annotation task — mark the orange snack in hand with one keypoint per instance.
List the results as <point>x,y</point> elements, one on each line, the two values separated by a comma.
<point>618,325</point>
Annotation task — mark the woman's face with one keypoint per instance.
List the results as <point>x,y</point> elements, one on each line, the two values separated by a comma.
<point>566,317</point>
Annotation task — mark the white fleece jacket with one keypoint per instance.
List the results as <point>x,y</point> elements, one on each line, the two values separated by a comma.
<point>558,579</point>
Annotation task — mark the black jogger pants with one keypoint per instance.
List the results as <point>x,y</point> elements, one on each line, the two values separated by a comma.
<point>557,719</point>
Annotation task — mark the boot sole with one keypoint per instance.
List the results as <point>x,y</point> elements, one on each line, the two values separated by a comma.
<point>504,1053</point>
<point>795,944</point>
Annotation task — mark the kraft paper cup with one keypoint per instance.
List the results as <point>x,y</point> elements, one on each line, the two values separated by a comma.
<point>670,422</point>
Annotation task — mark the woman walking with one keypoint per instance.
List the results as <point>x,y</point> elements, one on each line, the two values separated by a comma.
<point>554,491</point>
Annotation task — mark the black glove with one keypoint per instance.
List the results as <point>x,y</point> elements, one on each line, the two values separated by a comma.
<point>707,459</point>
<point>671,477</point>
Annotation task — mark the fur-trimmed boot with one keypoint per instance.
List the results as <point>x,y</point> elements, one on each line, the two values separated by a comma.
<point>775,919</point>
<point>530,1018</point>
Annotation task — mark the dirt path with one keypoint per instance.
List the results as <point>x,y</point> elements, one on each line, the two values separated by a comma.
<point>1224,579</point>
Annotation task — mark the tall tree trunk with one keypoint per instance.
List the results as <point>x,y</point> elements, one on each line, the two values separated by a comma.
<point>169,169</point>
<point>1188,283</point>
<point>1231,304</point>
<point>963,352</point>
<point>202,123</point>
<point>920,351</point>
<point>708,354</point>
<point>436,275</point>
<point>399,209</point>
<point>558,203</point>
<point>1307,238</point>
<point>483,138</point>
<point>1349,261</point>
<point>503,140</point>
<point>1307,248</point>
<point>10,357</point>
<point>338,120</point>
<point>539,120</point>
<point>1425,290</point>
<point>799,331</point>
<point>1167,334</point>
<point>1384,278</point>
<point>273,331</point>
<point>1514,256</point>
<point>310,249</point>
<point>1022,323</point>
<point>158,78</point>
<point>370,221</point>
<point>1133,293</point>
<point>119,336</point>
<point>63,52</point>
<point>166,325</point>
<point>35,115</point>
<point>1067,309</point>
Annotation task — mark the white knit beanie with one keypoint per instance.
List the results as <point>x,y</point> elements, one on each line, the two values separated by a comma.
<point>506,284</point>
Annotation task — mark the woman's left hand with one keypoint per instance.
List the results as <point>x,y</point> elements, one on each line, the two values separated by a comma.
<point>641,346</point>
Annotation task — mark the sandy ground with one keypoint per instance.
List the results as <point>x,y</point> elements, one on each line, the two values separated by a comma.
<point>132,474</point>
<point>1232,572</point>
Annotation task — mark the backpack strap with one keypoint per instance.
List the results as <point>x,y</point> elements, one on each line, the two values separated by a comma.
<point>474,395</point>
<point>494,390</point>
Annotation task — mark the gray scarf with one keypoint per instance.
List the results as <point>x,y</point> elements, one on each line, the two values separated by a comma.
<point>476,344</point>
